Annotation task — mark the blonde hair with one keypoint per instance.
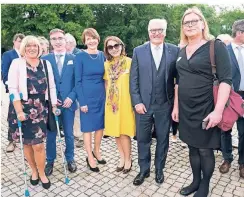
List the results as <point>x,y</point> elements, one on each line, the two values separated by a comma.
<point>156,20</point>
<point>197,11</point>
<point>27,40</point>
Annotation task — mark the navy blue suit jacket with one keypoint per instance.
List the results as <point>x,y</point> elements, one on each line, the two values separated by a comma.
<point>141,73</point>
<point>236,75</point>
<point>7,59</point>
<point>65,84</point>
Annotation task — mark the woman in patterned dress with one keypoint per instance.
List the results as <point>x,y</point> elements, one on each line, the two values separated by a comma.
<point>27,76</point>
<point>119,115</point>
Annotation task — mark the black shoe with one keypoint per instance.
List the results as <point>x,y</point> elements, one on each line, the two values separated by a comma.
<point>99,161</point>
<point>140,178</point>
<point>106,136</point>
<point>126,171</point>
<point>159,176</point>
<point>96,169</point>
<point>119,169</point>
<point>34,182</point>
<point>49,169</point>
<point>189,189</point>
<point>46,185</point>
<point>72,166</point>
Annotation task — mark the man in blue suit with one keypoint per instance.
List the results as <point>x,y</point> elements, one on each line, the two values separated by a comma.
<point>63,70</point>
<point>7,59</point>
<point>152,91</point>
<point>236,52</point>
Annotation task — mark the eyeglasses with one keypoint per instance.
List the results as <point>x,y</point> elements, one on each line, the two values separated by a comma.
<point>191,23</point>
<point>57,39</point>
<point>153,31</point>
<point>116,46</point>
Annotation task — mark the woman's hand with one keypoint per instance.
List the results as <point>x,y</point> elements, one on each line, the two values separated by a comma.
<point>21,116</point>
<point>175,114</point>
<point>213,119</point>
<point>84,109</point>
<point>56,111</point>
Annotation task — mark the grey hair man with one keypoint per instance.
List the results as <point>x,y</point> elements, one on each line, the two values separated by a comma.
<point>152,89</point>
<point>236,52</point>
<point>71,44</point>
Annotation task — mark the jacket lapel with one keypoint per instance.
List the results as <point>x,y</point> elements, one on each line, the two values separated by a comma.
<point>167,54</point>
<point>233,57</point>
<point>55,67</point>
<point>64,65</point>
<point>148,58</point>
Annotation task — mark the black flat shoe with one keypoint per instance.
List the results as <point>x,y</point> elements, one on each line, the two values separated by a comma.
<point>99,161</point>
<point>72,166</point>
<point>159,176</point>
<point>140,178</point>
<point>34,182</point>
<point>46,185</point>
<point>96,169</point>
<point>49,169</point>
<point>119,169</point>
<point>188,190</point>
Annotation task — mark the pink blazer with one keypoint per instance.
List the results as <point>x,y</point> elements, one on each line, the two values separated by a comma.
<point>17,82</point>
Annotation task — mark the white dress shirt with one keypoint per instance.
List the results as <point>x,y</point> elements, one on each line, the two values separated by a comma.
<point>236,52</point>
<point>157,52</point>
<point>61,58</point>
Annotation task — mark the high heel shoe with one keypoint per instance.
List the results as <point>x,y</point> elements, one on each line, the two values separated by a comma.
<point>34,182</point>
<point>99,161</point>
<point>96,169</point>
<point>46,185</point>
<point>126,171</point>
<point>119,169</point>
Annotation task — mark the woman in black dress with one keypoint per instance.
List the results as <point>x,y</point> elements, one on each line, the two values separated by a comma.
<point>27,76</point>
<point>194,98</point>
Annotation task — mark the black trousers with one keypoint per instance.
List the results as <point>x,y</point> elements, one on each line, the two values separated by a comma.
<point>161,116</point>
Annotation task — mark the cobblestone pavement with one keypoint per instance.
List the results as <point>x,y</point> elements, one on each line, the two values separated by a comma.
<point>108,182</point>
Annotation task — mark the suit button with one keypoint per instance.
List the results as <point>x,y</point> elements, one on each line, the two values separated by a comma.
<point>60,82</point>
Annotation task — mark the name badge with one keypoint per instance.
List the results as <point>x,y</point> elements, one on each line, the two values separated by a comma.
<point>70,62</point>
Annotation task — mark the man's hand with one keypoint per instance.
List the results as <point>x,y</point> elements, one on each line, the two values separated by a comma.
<point>175,114</point>
<point>67,103</point>
<point>84,109</point>
<point>140,108</point>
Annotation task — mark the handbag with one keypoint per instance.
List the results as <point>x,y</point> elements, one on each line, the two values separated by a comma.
<point>234,107</point>
<point>51,123</point>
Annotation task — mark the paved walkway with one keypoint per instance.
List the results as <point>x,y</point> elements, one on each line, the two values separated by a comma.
<point>108,182</point>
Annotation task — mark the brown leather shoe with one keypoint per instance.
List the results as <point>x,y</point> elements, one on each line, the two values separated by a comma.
<point>10,147</point>
<point>225,166</point>
<point>241,168</point>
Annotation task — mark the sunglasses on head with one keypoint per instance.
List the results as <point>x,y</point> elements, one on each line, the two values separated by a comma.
<point>116,46</point>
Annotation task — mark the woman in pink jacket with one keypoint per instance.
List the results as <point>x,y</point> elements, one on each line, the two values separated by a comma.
<point>27,76</point>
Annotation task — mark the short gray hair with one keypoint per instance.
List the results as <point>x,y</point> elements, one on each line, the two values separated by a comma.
<point>237,26</point>
<point>157,20</point>
<point>70,38</point>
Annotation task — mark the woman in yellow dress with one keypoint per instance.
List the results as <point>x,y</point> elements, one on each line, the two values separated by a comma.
<point>119,114</point>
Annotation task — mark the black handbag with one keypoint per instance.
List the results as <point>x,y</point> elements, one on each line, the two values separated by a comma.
<point>51,123</point>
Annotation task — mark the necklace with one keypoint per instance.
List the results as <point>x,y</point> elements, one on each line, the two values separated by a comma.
<point>92,54</point>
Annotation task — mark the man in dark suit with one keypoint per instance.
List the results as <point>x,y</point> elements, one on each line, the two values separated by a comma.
<point>63,70</point>
<point>236,52</point>
<point>7,59</point>
<point>152,91</point>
